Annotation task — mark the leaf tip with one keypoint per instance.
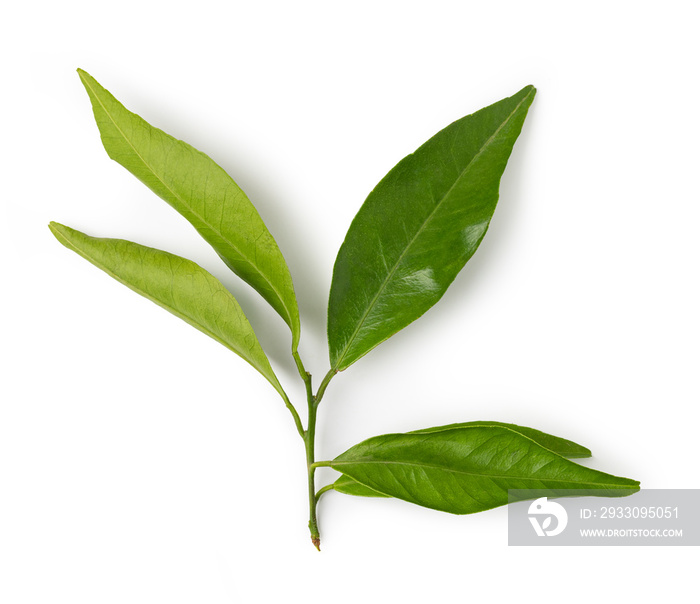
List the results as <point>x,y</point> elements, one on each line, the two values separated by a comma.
<point>631,486</point>
<point>86,79</point>
<point>317,543</point>
<point>61,232</point>
<point>55,227</point>
<point>529,91</point>
<point>576,451</point>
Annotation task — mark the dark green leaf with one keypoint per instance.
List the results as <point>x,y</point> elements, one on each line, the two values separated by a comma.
<point>469,469</point>
<point>418,228</point>
<point>347,485</point>
<point>203,193</point>
<point>178,285</point>
<point>561,446</point>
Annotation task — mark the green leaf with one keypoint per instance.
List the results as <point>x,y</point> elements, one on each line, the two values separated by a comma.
<point>178,285</point>
<point>561,446</point>
<point>470,469</point>
<point>418,228</point>
<point>203,193</point>
<point>347,485</point>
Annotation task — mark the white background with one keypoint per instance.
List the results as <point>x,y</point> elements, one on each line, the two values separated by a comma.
<point>142,462</point>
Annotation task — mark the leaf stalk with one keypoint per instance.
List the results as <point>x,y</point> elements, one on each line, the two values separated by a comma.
<point>295,414</point>
<point>321,491</point>
<point>305,375</point>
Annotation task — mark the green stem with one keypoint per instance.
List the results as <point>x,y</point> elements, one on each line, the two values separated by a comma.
<point>310,437</point>
<point>309,440</point>
<point>324,384</point>
<point>321,464</point>
<point>328,487</point>
<point>305,375</point>
<point>295,415</point>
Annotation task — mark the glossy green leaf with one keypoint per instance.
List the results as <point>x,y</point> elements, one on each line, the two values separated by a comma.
<point>561,446</point>
<point>348,486</point>
<point>469,469</point>
<point>203,193</point>
<point>418,228</point>
<point>178,285</point>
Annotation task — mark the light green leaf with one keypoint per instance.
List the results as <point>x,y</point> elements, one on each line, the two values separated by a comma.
<point>418,228</point>
<point>203,193</point>
<point>470,469</point>
<point>178,285</point>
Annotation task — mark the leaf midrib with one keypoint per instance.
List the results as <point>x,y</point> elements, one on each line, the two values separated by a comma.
<point>388,278</point>
<point>453,471</point>
<point>179,198</point>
